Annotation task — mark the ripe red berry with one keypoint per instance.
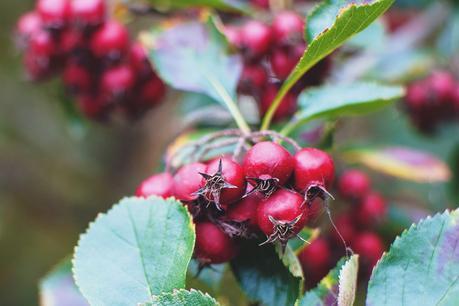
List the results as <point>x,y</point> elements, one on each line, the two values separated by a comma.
<point>369,246</point>
<point>287,28</point>
<point>245,210</point>
<point>416,95</point>
<point>282,215</point>
<point>222,172</point>
<point>77,78</point>
<point>314,169</point>
<point>93,106</point>
<point>111,41</point>
<point>151,92</point>
<point>253,79</point>
<point>287,106</point>
<point>354,184</point>
<point>42,44</point>
<point>88,12</point>
<point>267,160</point>
<point>261,3</point>
<point>346,227</point>
<point>37,67</point>
<point>442,84</point>
<point>283,61</point>
<point>54,13</point>
<point>233,35</point>
<point>117,82</point>
<point>315,257</point>
<point>71,41</point>
<point>371,209</point>
<point>188,180</point>
<point>255,38</point>
<point>27,25</point>
<point>139,61</point>
<point>213,246</point>
<point>161,185</point>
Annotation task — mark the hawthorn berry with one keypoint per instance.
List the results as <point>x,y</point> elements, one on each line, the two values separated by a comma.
<point>139,61</point>
<point>37,67</point>
<point>255,38</point>
<point>110,41</point>
<point>314,172</point>
<point>212,245</point>
<point>253,79</point>
<point>77,78</point>
<point>233,35</point>
<point>267,165</point>
<point>286,108</point>
<point>224,182</point>
<point>442,83</point>
<point>42,44</point>
<point>27,25</point>
<point>245,210</point>
<point>287,28</point>
<point>283,61</point>
<point>88,13</point>
<point>369,246</point>
<point>117,82</point>
<point>282,215</point>
<point>371,209</point>
<point>53,13</point>
<point>188,180</point>
<point>354,184</point>
<point>315,259</point>
<point>151,92</point>
<point>161,185</point>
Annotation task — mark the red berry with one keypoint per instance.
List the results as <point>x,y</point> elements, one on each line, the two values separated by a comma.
<point>253,78</point>
<point>371,209</point>
<point>111,40</point>
<point>152,91</point>
<point>287,28</point>
<point>53,13</point>
<point>71,41</point>
<point>442,84</point>
<point>417,94</point>
<point>369,246</point>
<point>188,180</point>
<point>315,256</point>
<point>268,160</point>
<point>287,106</point>
<point>261,3</point>
<point>313,168</point>
<point>88,12</point>
<point>77,78</point>
<point>27,25</point>
<point>346,227</point>
<point>92,106</point>
<point>37,67</point>
<point>354,184</point>
<point>245,210</point>
<point>232,174</point>
<point>42,44</point>
<point>282,63</point>
<point>117,82</point>
<point>233,35</point>
<point>139,60</point>
<point>213,246</point>
<point>255,38</point>
<point>285,207</point>
<point>161,185</point>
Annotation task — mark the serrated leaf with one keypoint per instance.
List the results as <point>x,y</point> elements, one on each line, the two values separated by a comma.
<point>331,101</point>
<point>326,292</point>
<point>139,248</point>
<point>348,281</point>
<point>421,267</point>
<point>264,278</point>
<point>58,288</point>
<point>182,297</point>
<point>404,163</point>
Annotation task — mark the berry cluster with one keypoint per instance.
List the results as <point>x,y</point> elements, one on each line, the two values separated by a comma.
<point>98,62</point>
<point>433,100</point>
<point>355,225</point>
<point>270,53</point>
<point>268,194</point>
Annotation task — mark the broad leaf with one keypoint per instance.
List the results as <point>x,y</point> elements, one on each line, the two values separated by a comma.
<point>307,234</point>
<point>58,288</point>
<point>182,297</point>
<point>227,5</point>
<point>140,248</point>
<point>331,34</point>
<point>264,277</point>
<point>332,101</point>
<point>341,278</point>
<point>404,163</point>
<point>421,267</point>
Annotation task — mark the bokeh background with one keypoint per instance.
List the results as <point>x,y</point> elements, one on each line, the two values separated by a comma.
<point>57,172</point>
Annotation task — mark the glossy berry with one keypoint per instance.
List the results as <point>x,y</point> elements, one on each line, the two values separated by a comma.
<point>77,78</point>
<point>442,85</point>
<point>283,61</point>
<point>213,246</point>
<point>71,41</point>
<point>27,25</point>
<point>42,44</point>
<point>253,78</point>
<point>86,13</point>
<point>286,108</point>
<point>255,38</point>
<point>369,246</point>
<point>233,176</point>
<point>261,3</point>
<point>161,185</point>
<point>53,13</point>
<point>283,209</point>
<point>313,168</point>
<point>245,210</point>
<point>188,180</point>
<point>354,184</point>
<point>117,82</point>
<point>111,41</point>
<point>371,209</point>
<point>287,28</point>
<point>267,160</point>
<point>315,257</point>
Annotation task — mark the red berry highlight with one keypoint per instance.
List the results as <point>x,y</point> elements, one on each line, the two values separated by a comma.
<point>161,185</point>
<point>213,246</point>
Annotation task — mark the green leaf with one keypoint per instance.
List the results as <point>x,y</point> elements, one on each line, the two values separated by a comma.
<point>330,35</point>
<point>182,297</point>
<point>306,234</point>
<point>193,57</point>
<point>264,277</point>
<point>401,162</point>
<point>327,291</point>
<point>58,288</point>
<point>139,248</point>
<point>227,5</point>
<point>373,38</point>
<point>332,101</point>
<point>348,281</point>
<point>421,267</point>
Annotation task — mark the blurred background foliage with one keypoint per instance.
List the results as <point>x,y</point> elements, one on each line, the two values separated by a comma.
<point>58,171</point>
